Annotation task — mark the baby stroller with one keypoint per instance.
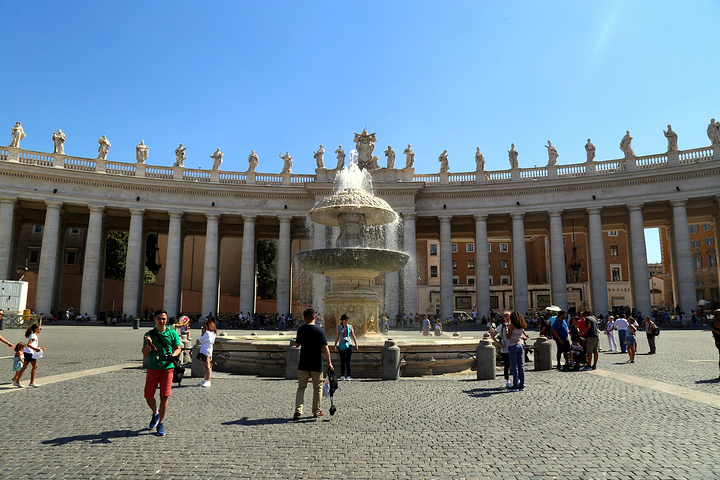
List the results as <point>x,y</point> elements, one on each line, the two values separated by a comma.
<point>577,355</point>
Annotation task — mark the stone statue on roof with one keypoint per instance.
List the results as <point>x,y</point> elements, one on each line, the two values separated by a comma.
<point>625,145</point>
<point>252,161</point>
<point>141,152</point>
<point>390,154</point>
<point>287,162</point>
<point>590,150</point>
<point>513,156</point>
<point>340,158</point>
<point>365,144</point>
<point>58,139</point>
<point>104,147</point>
<point>552,154</point>
<point>17,134</point>
<point>217,159</point>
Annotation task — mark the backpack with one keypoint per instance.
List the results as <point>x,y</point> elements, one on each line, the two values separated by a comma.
<point>178,370</point>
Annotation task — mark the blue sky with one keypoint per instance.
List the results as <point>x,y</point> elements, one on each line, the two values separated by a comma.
<point>278,75</point>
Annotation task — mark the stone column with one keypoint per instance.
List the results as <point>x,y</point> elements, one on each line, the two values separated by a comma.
<point>49,255</point>
<point>640,275</point>
<point>446,270</point>
<point>135,264</point>
<point>519,281</point>
<point>247,268</point>
<point>683,256</point>
<point>392,279</point>
<point>410,271</point>
<point>717,236</point>
<point>92,277</point>
<point>482,267</point>
<point>7,213</point>
<point>558,277</point>
<point>319,233</point>
<point>284,273</point>
<point>598,270</point>
<point>173,258</point>
<point>210,271</point>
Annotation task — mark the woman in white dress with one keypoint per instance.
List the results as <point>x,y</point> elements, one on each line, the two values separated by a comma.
<point>610,332</point>
<point>207,339</point>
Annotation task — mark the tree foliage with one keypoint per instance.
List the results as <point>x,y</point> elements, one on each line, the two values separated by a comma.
<point>267,269</point>
<point>116,254</point>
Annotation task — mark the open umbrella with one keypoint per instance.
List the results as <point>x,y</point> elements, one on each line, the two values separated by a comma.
<point>553,308</point>
<point>703,303</point>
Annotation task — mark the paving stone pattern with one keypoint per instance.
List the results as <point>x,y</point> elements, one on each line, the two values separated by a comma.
<point>565,425</point>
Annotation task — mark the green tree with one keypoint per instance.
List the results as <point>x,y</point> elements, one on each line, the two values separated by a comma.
<point>115,255</point>
<point>267,269</point>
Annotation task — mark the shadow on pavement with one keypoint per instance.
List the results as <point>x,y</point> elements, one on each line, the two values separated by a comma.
<point>104,437</point>
<point>485,392</point>
<point>711,380</point>
<point>260,421</point>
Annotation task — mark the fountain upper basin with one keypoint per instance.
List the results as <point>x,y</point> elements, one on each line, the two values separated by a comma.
<point>382,260</point>
<point>352,200</point>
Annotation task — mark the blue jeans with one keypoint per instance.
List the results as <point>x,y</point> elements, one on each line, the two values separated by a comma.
<point>621,335</point>
<point>517,366</point>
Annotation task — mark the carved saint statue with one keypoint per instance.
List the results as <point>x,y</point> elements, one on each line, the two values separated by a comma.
<point>672,139</point>
<point>287,165</point>
<point>625,145</point>
<point>390,154</point>
<point>340,158</point>
<point>217,159</point>
<point>180,156</point>
<point>409,156</point>
<point>513,155</point>
<point>479,160</point>
<point>552,154</point>
<point>365,144</point>
<point>252,161</point>
<point>443,159</point>
<point>590,150</point>
<point>17,134</point>
<point>58,139</point>
<point>141,152</point>
<point>319,157</point>
<point>104,147</point>
<point>713,132</point>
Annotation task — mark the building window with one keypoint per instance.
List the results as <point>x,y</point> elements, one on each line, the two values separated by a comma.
<point>454,247</point>
<point>70,256</point>
<point>613,250</point>
<point>504,279</point>
<point>74,231</point>
<point>433,271</point>
<point>615,273</point>
<point>469,247</point>
<point>454,264</point>
<point>456,280</point>
<point>694,228</point>
<point>37,229</point>
<point>34,256</point>
<point>709,241</point>
<point>503,264</point>
<point>471,264</point>
<point>491,280</point>
<point>695,244</point>
<point>707,226</point>
<point>433,249</point>
<point>612,233</point>
<point>470,280</point>
<point>489,248</point>
<point>711,260</point>
<point>503,247</point>
<point>697,261</point>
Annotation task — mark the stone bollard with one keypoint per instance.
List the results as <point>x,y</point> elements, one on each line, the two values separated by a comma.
<point>292,360</point>
<point>197,369</point>
<point>542,355</point>
<point>136,323</point>
<point>185,356</point>
<point>390,360</point>
<point>485,359</point>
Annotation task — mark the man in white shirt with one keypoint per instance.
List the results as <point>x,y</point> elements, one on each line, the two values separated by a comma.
<point>621,325</point>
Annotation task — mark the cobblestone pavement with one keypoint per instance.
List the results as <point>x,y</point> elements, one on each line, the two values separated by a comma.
<point>565,425</point>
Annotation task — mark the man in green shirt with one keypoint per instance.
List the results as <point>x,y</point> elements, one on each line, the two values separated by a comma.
<point>158,344</point>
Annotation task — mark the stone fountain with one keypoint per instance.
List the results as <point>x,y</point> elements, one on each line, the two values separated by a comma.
<point>353,264</point>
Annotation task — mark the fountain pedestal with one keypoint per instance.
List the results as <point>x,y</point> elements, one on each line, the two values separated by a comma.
<point>352,294</point>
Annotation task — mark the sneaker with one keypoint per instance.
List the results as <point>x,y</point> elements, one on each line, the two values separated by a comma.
<point>154,420</point>
<point>342,379</point>
<point>522,388</point>
<point>318,414</point>
<point>161,429</point>
<point>201,383</point>
<point>33,385</point>
<point>296,417</point>
<point>513,389</point>
<point>587,367</point>
<point>594,367</point>
<point>508,383</point>
<point>205,384</point>
<point>348,378</point>
<point>632,361</point>
<point>16,384</point>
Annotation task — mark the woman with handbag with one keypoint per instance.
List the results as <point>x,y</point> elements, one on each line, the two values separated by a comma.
<point>345,332</point>
<point>207,339</point>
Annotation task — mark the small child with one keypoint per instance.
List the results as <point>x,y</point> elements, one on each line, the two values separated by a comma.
<point>184,324</point>
<point>18,363</point>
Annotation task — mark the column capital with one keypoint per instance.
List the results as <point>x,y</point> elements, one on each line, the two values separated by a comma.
<point>249,218</point>
<point>137,211</point>
<point>215,217</point>
<point>481,218</point>
<point>53,204</point>
<point>96,208</point>
<point>518,215</point>
<point>554,213</point>
<point>594,210</point>
<point>679,203</point>
<point>12,201</point>
<point>635,206</point>
<point>175,214</point>
<point>413,215</point>
<point>445,218</point>
<point>285,218</point>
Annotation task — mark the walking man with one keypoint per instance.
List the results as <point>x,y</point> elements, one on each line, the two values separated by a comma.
<point>313,346</point>
<point>159,344</point>
<point>621,325</point>
<point>650,328</point>
<point>592,341</point>
<point>561,332</point>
